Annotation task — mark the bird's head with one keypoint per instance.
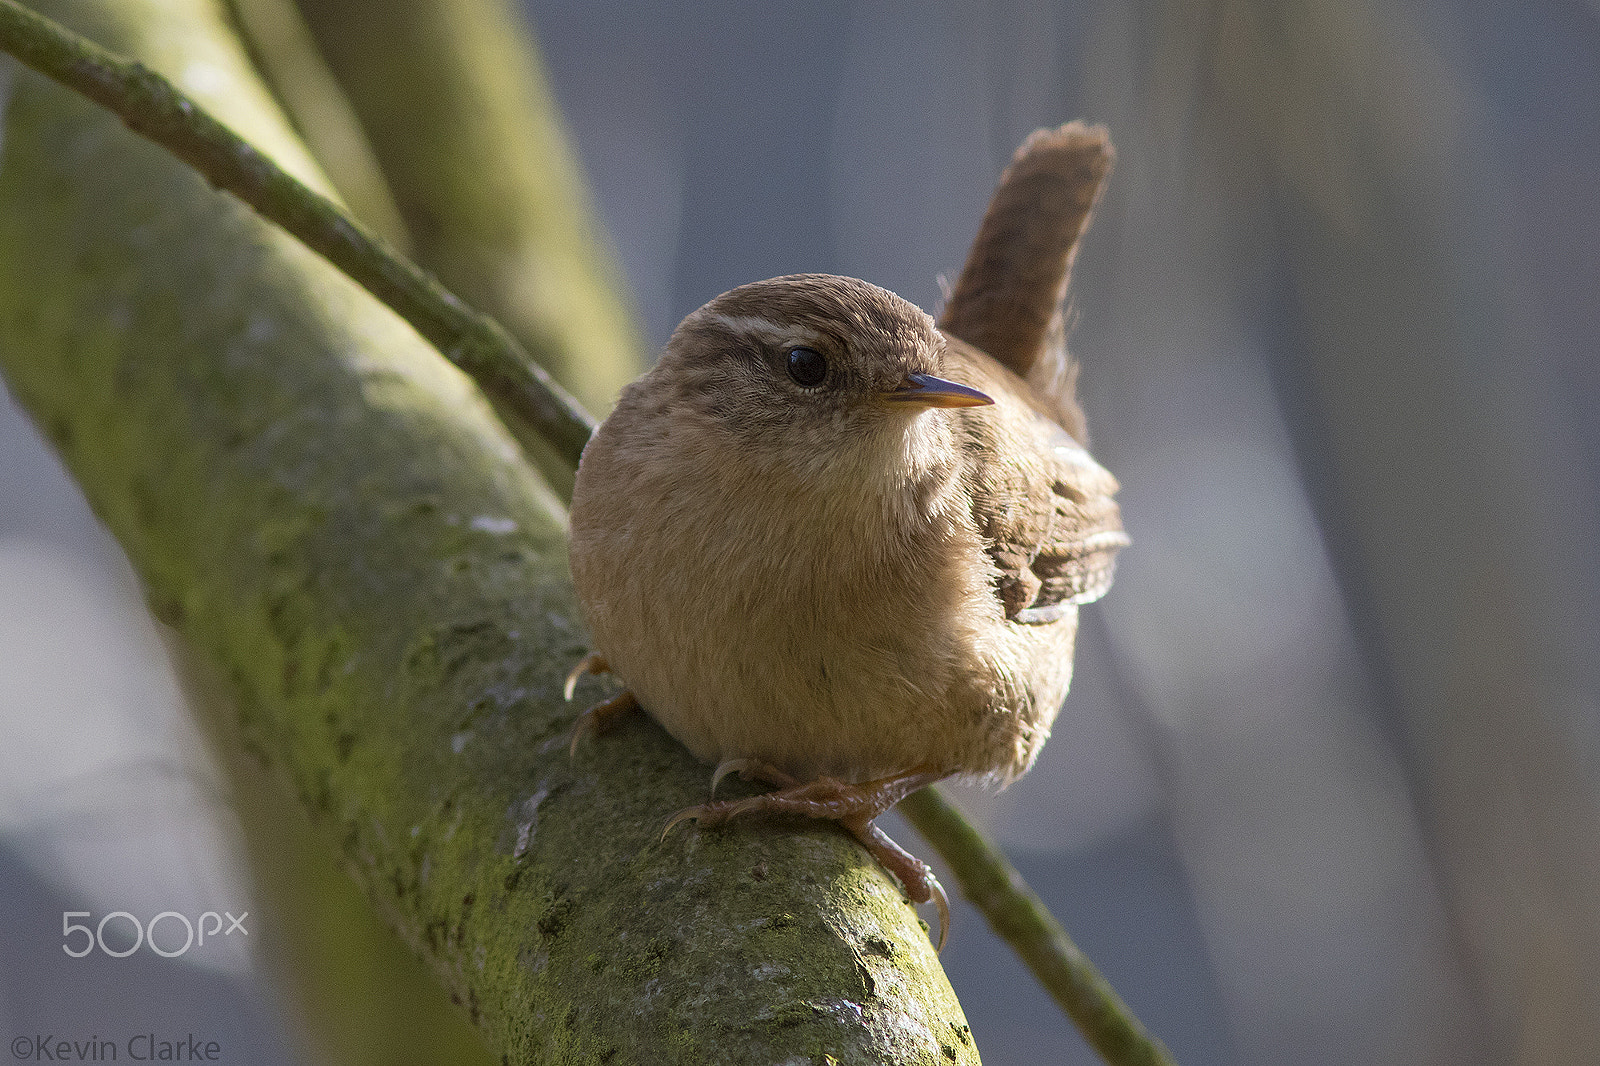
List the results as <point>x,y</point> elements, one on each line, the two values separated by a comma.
<point>812,366</point>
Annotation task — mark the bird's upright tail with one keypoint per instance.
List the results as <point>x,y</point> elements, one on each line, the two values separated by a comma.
<point>1008,298</point>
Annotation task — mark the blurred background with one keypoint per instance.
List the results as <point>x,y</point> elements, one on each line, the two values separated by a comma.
<point>1327,789</point>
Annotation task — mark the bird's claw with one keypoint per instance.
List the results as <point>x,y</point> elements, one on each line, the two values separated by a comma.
<point>751,770</point>
<point>703,813</point>
<point>712,814</point>
<point>726,767</point>
<point>686,813</point>
<point>593,663</point>
<point>942,902</point>
<point>599,717</point>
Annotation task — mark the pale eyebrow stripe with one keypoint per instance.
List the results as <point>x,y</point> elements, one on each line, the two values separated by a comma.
<point>764,327</point>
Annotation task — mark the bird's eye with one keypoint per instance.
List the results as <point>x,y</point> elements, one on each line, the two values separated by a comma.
<point>807,367</point>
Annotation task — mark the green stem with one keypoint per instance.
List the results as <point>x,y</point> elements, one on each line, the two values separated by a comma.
<point>1014,912</point>
<point>153,107</point>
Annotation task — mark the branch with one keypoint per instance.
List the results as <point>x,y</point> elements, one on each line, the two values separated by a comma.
<point>151,106</point>
<point>1015,912</point>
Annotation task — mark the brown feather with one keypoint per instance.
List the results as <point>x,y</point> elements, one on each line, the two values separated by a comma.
<point>1007,300</point>
<point>1043,506</point>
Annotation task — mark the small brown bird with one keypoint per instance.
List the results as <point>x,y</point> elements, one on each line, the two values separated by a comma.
<point>840,549</point>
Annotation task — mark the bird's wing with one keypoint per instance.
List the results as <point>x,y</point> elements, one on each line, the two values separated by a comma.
<point>1044,507</point>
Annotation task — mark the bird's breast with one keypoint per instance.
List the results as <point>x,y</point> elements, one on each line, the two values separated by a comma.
<point>817,626</point>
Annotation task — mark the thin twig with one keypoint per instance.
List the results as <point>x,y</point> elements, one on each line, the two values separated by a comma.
<point>153,107</point>
<point>993,886</point>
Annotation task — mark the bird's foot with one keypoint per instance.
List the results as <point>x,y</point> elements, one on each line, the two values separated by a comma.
<point>853,806</point>
<point>603,715</point>
<point>914,874</point>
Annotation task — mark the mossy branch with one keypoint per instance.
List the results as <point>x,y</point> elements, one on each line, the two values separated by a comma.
<point>151,106</point>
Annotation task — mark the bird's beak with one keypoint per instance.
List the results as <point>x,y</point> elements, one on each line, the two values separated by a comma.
<point>925,390</point>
